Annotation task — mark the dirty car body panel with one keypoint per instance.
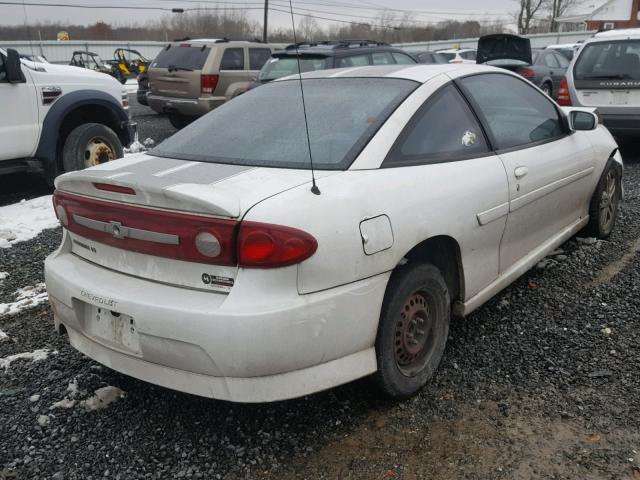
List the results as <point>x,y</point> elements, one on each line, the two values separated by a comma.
<point>390,179</point>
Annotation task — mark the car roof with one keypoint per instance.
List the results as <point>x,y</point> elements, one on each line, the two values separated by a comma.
<point>622,34</point>
<point>335,47</point>
<point>419,73</point>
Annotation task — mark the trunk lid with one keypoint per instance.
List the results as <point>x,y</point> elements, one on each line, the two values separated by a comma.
<point>502,49</point>
<point>158,185</point>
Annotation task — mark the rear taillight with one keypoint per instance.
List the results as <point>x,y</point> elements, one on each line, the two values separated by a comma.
<point>526,72</point>
<point>183,236</point>
<point>208,83</point>
<point>188,237</point>
<point>262,245</point>
<point>564,98</point>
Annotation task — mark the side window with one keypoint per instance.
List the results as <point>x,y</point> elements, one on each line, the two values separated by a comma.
<point>471,55</point>
<point>233,59</point>
<point>382,58</point>
<point>3,70</point>
<point>515,113</point>
<point>402,59</point>
<point>562,60</point>
<point>444,128</point>
<point>353,61</point>
<point>550,61</point>
<point>258,57</point>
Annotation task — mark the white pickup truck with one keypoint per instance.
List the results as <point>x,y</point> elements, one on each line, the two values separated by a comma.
<point>58,118</point>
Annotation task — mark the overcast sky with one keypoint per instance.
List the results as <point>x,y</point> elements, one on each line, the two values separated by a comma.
<point>347,10</point>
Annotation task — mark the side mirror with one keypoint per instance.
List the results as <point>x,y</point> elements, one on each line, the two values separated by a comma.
<point>581,120</point>
<point>14,67</point>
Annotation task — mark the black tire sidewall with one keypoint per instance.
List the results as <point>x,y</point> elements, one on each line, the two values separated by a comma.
<point>594,227</point>
<point>405,281</point>
<point>179,121</point>
<point>76,143</point>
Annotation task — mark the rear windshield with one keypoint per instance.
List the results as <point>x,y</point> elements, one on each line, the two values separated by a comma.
<point>266,126</point>
<point>609,60</point>
<point>448,56</point>
<point>178,56</point>
<point>279,67</point>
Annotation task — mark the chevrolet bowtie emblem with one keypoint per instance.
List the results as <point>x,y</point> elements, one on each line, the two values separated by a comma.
<point>116,230</point>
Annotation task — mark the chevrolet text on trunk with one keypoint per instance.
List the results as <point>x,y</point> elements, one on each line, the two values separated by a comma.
<point>211,267</point>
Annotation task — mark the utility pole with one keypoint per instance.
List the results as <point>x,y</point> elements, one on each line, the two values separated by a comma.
<point>266,14</point>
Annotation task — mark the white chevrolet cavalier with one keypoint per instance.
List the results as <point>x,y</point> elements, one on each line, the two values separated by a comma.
<point>209,266</point>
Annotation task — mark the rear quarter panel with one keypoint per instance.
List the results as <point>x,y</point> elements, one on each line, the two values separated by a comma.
<point>420,201</point>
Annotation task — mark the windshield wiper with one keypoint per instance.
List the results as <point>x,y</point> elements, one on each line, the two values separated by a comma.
<point>173,68</point>
<point>616,76</point>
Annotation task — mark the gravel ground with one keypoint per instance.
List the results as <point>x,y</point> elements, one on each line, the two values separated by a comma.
<point>14,188</point>
<point>542,382</point>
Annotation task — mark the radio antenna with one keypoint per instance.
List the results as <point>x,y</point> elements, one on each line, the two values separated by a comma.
<point>314,188</point>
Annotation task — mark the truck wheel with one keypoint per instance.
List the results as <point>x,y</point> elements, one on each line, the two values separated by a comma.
<point>180,121</point>
<point>88,145</point>
<point>413,330</point>
<point>603,207</point>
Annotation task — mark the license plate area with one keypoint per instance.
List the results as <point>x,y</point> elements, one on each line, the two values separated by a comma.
<point>114,329</point>
<point>620,97</point>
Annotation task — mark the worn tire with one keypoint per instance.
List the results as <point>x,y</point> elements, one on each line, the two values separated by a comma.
<point>84,147</point>
<point>603,207</point>
<point>397,377</point>
<point>180,121</point>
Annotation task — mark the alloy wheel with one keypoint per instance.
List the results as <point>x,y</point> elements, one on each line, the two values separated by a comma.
<point>608,202</point>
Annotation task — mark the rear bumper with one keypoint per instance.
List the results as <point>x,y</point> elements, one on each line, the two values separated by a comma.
<point>218,346</point>
<point>195,107</point>
<point>621,125</point>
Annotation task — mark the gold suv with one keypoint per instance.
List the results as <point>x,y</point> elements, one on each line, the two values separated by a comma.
<point>192,77</point>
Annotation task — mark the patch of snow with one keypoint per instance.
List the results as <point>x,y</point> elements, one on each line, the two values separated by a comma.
<point>43,420</point>
<point>135,147</point>
<point>73,389</point>
<point>26,219</point>
<point>64,403</point>
<point>102,398</point>
<point>27,297</point>
<point>35,356</point>
<point>149,142</point>
<point>3,275</point>
<point>34,398</point>
<point>3,336</point>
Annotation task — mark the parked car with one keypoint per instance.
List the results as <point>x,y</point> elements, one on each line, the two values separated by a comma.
<point>567,49</point>
<point>458,55</point>
<point>189,78</point>
<point>34,58</point>
<point>57,118</point>
<point>211,265</point>
<point>545,68</point>
<point>606,74</point>
<point>324,55</point>
<point>143,88</point>
<point>430,57</point>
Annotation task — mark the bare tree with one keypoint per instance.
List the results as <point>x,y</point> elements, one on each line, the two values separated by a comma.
<point>557,8</point>
<point>529,12</point>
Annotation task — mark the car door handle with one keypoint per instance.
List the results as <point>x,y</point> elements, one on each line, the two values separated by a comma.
<point>520,172</point>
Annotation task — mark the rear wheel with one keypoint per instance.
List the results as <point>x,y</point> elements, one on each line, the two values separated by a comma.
<point>180,121</point>
<point>88,145</point>
<point>603,208</point>
<point>413,330</point>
